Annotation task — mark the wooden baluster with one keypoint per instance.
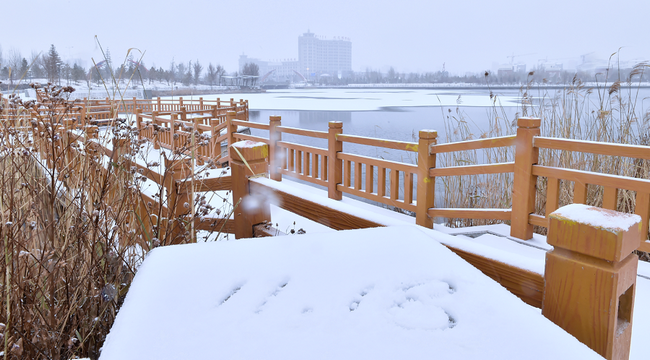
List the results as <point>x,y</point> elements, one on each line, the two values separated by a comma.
<point>358,172</point>
<point>314,165</point>
<point>274,154</point>
<point>590,276</point>
<point>323,168</point>
<point>291,165</point>
<point>394,184</point>
<point>426,185</point>
<point>299,169</point>
<point>347,173</point>
<point>381,181</point>
<point>369,178</point>
<point>552,195</point>
<point>334,147</point>
<point>610,197</point>
<point>579,193</point>
<point>523,193</point>
<point>408,188</point>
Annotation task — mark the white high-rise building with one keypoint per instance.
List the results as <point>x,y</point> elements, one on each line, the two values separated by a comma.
<point>321,57</point>
<point>318,59</point>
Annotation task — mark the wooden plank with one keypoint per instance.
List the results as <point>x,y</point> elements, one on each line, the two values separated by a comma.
<point>306,160</point>
<point>303,132</point>
<point>319,213</point>
<point>593,147</point>
<point>314,165</point>
<point>381,143</point>
<point>538,220</point>
<point>299,169</point>
<point>610,197</point>
<point>526,285</point>
<point>473,169</point>
<point>474,144</point>
<point>488,214</point>
<point>619,182</point>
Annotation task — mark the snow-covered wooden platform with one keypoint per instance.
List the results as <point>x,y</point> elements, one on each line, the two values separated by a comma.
<point>389,293</point>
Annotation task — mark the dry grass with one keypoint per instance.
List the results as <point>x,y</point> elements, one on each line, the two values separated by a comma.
<point>73,233</point>
<point>605,113</point>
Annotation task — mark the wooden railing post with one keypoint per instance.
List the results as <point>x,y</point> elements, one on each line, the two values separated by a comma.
<point>249,211</point>
<point>179,200</point>
<point>426,186</point>
<point>138,122</point>
<point>232,129</point>
<point>159,105</point>
<point>590,276</point>
<point>135,105</point>
<point>523,193</point>
<point>172,131</point>
<point>335,167</point>
<point>275,155</point>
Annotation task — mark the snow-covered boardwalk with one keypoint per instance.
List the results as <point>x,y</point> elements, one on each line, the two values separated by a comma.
<point>383,293</point>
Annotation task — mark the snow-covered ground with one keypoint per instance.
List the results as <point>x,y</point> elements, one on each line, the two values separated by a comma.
<point>383,293</point>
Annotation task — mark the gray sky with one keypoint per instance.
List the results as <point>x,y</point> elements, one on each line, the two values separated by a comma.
<point>411,35</point>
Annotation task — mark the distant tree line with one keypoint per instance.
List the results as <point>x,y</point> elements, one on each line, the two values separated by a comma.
<point>15,67</point>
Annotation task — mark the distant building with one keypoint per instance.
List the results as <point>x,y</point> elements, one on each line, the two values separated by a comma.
<point>318,58</point>
<point>278,71</point>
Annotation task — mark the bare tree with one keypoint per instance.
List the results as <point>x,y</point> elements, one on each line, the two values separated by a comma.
<point>14,60</point>
<point>211,76</point>
<point>197,71</point>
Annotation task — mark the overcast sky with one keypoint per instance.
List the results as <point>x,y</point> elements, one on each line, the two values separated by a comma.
<point>410,35</point>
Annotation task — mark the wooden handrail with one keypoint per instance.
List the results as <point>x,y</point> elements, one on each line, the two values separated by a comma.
<point>474,144</point>
<point>303,132</point>
<point>389,144</point>
<point>593,147</point>
<point>473,169</point>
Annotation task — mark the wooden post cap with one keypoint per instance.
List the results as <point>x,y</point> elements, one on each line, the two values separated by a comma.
<point>335,125</point>
<point>275,118</point>
<point>249,150</point>
<point>428,134</point>
<point>526,122</point>
<point>601,233</point>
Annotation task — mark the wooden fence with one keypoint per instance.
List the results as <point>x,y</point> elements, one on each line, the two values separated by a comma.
<point>381,180</point>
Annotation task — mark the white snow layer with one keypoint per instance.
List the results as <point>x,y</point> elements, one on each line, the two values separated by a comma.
<point>602,218</point>
<point>383,293</point>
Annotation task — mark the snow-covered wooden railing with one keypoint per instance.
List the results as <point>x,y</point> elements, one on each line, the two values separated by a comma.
<point>411,187</point>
